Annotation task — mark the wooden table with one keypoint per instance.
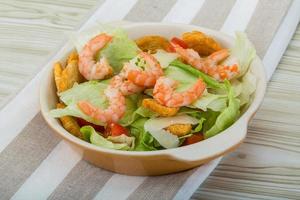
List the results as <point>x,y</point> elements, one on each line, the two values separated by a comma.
<point>268,163</point>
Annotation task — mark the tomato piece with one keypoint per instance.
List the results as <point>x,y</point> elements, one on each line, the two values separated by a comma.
<point>82,122</point>
<point>193,139</point>
<point>115,129</point>
<point>179,42</point>
<point>170,49</point>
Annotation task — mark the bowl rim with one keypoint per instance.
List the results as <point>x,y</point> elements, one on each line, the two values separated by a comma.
<point>243,119</point>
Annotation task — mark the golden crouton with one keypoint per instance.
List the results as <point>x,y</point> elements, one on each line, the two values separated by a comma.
<point>69,123</point>
<point>73,56</point>
<point>160,109</point>
<point>201,43</point>
<point>66,77</point>
<point>180,129</point>
<point>152,43</point>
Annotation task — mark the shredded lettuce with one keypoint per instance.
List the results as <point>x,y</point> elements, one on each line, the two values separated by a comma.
<point>215,102</point>
<point>228,116</point>
<point>184,78</point>
<point>144,141</point>
<point>120,50</point>
<point>243,52</point>
<point>164,58</point>
<point>247,87</point>
<point>199,127</point>
<point>155,126</point>
<point>123,142</point>
<point>210,82</point>
<point>131,107</point>
<point>91,91</point>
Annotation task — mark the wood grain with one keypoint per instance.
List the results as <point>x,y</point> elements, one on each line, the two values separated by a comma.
<point>30,32</point>
<point>267,165</point>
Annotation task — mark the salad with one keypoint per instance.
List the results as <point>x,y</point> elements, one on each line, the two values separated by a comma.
<point>153,92</point>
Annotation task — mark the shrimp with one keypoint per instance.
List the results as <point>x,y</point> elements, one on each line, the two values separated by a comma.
<point>209,65</point>
<point>125,86</point>
<point>164,92</point>
<point>88,67</point>
<point>147,77</point>
<point>113,113</point>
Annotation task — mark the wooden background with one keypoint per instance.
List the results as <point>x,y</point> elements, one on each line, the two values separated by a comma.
<point>266,166</point>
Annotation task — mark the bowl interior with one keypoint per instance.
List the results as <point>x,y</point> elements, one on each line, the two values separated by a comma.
<point>212,146</point>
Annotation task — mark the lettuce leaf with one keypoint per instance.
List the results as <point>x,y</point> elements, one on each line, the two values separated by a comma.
<point>199,127</point>
<point>124,142</point>
<point>165,58</point>
<point>215,102</point>
<point>131,107</point>
<point>120,50</point>
<point>228,116</point>
<point>243,52</point>
<point>210,82</point>
<point>247,87</point>
<point>143,140</point>
<point>184,78</point>
<point>91,91</point>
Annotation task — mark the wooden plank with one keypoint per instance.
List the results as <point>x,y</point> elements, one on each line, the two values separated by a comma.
<point>267,165</point>
<point>30,32</point>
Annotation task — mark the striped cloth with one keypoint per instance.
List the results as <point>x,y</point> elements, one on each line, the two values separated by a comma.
<point>34,164</point>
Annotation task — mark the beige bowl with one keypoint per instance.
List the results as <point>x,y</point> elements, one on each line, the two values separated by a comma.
<point>163,161</point>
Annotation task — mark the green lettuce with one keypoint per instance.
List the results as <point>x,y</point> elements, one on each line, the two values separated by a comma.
<point>215,102</point>
<point>165,58</point>
<point>91,91</point>
<point>245,87</point>
<point>184,78</point>
<point>131,107</point>
<point>243,53</point>
<point>210,82</point>
<point>123,142</point>
<point>120,50</point>
<point>143,140</point>
<point>228,116</point>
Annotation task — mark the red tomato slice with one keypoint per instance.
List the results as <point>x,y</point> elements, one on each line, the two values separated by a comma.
<point>180,42</point>
<point>115,129</point>
<point>193,139</point>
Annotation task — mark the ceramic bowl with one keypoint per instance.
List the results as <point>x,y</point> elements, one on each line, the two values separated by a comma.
<point>162,161</point>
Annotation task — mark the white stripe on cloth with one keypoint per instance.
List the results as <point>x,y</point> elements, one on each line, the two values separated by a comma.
<point>130,183</point>
<point>183,11</point>
<point>50,173</point>
<point>235,20</point>
<point>239,16</point>
<point>195,180</point>
<point>45,178</point>
<point>119,187</point>
<point>281,39</point>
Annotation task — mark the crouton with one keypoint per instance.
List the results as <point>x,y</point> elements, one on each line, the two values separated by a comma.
<point>163,111</point>
<point>70,123</point>
<point>203,44</point>
<point>180,129</point>
<point>65,77</point>
<point>152,43</point>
